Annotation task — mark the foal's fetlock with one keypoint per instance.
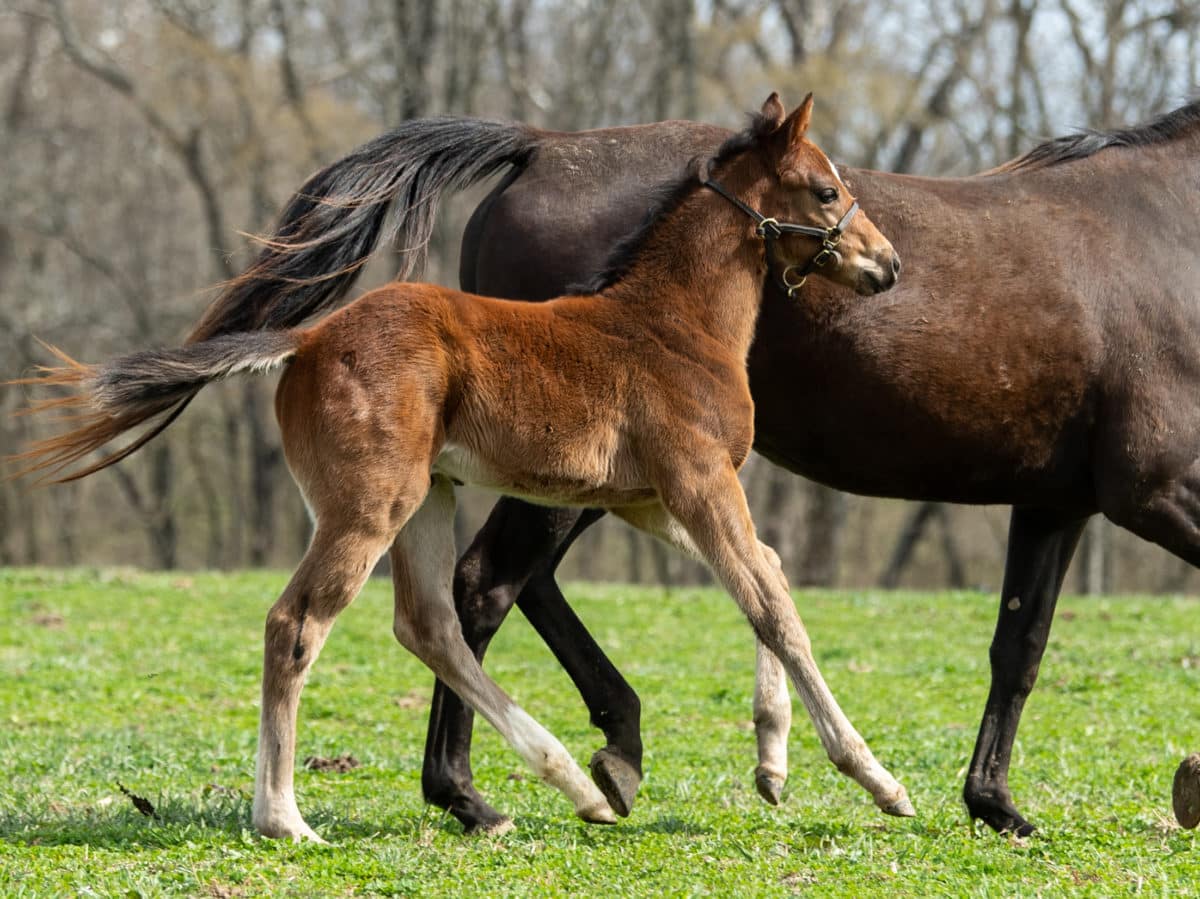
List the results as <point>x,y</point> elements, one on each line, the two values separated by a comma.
<point>618,778</point>
<point>282,827</point>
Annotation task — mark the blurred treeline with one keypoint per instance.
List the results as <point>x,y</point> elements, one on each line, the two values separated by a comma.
<point>139,138</point>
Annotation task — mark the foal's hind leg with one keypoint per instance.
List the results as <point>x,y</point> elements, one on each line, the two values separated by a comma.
<point>1040,546</point>
<point>514,556</point>
<point>332,572</point>
<point>425,623</point>
<point>772,723</point>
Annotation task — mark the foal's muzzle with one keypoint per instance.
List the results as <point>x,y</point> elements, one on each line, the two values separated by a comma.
<point>881,278</point>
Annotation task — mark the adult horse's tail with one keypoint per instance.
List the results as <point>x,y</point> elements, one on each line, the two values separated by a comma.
<point>324,236</point>
<point>330,227</point>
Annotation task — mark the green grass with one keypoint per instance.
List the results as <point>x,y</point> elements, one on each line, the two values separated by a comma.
<point>152,680</point>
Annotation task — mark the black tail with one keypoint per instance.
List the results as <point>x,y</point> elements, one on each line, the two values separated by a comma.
<point>329,229</point>
<point>108,400</point>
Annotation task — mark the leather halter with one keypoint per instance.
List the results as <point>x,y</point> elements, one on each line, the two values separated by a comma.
<point>770,230</point>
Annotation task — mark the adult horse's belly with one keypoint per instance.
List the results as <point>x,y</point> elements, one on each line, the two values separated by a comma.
<point>890,397</point>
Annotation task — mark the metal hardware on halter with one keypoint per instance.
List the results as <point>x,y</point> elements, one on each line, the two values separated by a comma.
<point>769,229</point>
<point>788,285</point>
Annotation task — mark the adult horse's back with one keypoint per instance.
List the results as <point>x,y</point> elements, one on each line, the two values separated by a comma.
<point>1040,352</point>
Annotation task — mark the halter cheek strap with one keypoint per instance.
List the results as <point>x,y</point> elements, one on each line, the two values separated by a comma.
<point>770,230</point>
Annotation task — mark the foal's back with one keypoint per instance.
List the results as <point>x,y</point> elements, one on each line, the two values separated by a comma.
<point>553,401</point>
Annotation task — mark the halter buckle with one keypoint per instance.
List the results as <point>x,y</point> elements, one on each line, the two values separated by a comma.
<point>768,229</point>
<point>788,285</point>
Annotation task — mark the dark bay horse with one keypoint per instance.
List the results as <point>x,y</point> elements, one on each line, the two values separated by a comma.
<point>1041,352</point>
<point>633,398</point>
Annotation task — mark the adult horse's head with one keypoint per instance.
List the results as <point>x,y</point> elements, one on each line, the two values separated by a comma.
<point>803,209</point>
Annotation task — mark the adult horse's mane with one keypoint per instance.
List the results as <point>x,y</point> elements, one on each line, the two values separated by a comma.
<point>1086,143</point>
<point>665,198</point>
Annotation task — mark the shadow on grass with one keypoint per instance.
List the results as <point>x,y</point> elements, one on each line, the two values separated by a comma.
<point>225,818</point>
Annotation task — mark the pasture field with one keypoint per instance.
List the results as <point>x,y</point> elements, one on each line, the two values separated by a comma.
<point>151,680</point>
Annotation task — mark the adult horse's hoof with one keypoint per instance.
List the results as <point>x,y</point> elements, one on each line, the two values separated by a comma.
<point>493,829</point>
<point>1185,793</point>
<point>770,786</point>
<point>475,815</point>
<point>617,777</point>
<point>996,811</point>
<point>901,808</point>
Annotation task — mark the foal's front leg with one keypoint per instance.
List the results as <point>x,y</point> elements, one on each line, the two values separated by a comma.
<point>712,508</point>
<point>772,702</point>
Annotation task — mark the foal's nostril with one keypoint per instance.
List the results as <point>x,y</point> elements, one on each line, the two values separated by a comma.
<point>895,264</point>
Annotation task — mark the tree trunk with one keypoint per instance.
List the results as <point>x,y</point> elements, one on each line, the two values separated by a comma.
<point>634,542</point>
<point>824,528</point>
<point>910,536</point>
<point>415,22</point>
<point>774,512</point>
<point>265,459</point>
<point>1092,575</point>
<point>164,535</point>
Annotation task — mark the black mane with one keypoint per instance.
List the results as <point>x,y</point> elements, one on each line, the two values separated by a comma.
<point>664,199</point>
<point>1086,143</point>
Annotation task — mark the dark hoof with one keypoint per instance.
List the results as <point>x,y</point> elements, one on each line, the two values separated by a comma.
<point>617,777</point>
<point>1001,817</point>
<point>1185,793</point>
<point>770,786</point>
<point>495,829</point>
<point>478,817</point>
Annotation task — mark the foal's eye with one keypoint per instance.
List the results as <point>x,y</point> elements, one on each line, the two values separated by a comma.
<point>827,195</point>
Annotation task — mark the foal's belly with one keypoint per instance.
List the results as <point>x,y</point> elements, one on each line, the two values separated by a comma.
<point>595,478</point>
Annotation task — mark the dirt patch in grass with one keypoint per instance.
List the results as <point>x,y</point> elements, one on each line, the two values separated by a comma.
<point>339,765</point>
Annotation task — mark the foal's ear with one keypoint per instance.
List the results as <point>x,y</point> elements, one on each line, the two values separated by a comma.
<point>773,112</point>
<point>797,123</point>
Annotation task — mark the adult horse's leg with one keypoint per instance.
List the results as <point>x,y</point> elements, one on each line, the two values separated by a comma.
<point>426,624</point>
<point>513,558</point>
<point>1040,546</point>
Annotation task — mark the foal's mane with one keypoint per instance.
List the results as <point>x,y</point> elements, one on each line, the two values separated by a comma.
<point>665,198</point>
<point>1087,143</point>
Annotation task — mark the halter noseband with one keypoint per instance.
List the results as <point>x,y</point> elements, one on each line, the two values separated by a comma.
<point>770,229</point>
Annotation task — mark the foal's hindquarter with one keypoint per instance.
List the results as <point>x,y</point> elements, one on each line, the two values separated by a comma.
<point>635,403</point>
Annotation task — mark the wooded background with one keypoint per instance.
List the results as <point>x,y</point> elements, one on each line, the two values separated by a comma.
<point>138,138</point>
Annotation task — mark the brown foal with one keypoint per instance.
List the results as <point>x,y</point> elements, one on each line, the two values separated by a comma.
<point>635,399</point>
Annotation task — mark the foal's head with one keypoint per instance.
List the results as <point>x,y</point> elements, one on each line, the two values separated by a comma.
<point>797,184</point>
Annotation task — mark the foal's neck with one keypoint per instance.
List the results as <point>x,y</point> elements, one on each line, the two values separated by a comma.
<point>700,269</point>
